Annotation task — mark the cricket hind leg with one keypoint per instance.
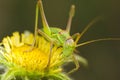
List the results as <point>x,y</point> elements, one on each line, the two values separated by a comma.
<point>46,27</point>
<point>71,15</point>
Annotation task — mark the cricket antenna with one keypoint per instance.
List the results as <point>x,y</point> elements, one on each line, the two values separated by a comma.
<point>89,25</point>
<point>96,40</point>
<point>44,21</point>
<point>71,15</point>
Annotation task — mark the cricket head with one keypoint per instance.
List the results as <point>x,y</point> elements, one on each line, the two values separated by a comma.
<point>65,38</point>
<point>68,43</point>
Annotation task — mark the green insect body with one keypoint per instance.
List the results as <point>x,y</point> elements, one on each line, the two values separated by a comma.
<point>62,38</point>
<point>59,37</point>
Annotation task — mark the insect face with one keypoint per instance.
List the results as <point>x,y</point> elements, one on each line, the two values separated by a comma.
<point>70,42</point>
<point>64,36</point>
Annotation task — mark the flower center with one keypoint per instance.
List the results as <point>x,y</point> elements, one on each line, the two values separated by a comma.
<point>35,59</point>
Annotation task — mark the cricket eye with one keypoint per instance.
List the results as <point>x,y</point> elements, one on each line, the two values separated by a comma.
<point>69,41</point>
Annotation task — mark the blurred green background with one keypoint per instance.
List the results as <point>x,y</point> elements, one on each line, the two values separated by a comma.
<point>103,57</point>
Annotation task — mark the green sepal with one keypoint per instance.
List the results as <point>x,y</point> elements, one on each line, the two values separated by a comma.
<point>26,78</point>
<point>9,74</point>
<point>58,76</point>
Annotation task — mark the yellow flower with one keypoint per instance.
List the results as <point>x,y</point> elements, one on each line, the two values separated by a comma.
<point>16,52</point>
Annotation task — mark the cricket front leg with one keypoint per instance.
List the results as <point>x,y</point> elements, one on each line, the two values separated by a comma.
<point>51,45</point>
<point>76,36</point>
<point>50,55</point>
<point>76,64</point>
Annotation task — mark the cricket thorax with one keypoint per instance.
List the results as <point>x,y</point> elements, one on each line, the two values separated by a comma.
<point>62,37</point>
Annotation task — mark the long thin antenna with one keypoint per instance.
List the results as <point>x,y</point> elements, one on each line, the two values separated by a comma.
<point>45,23</point>
<point>96,40</point>
<point>71,15</point>
<point>89,25</point>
